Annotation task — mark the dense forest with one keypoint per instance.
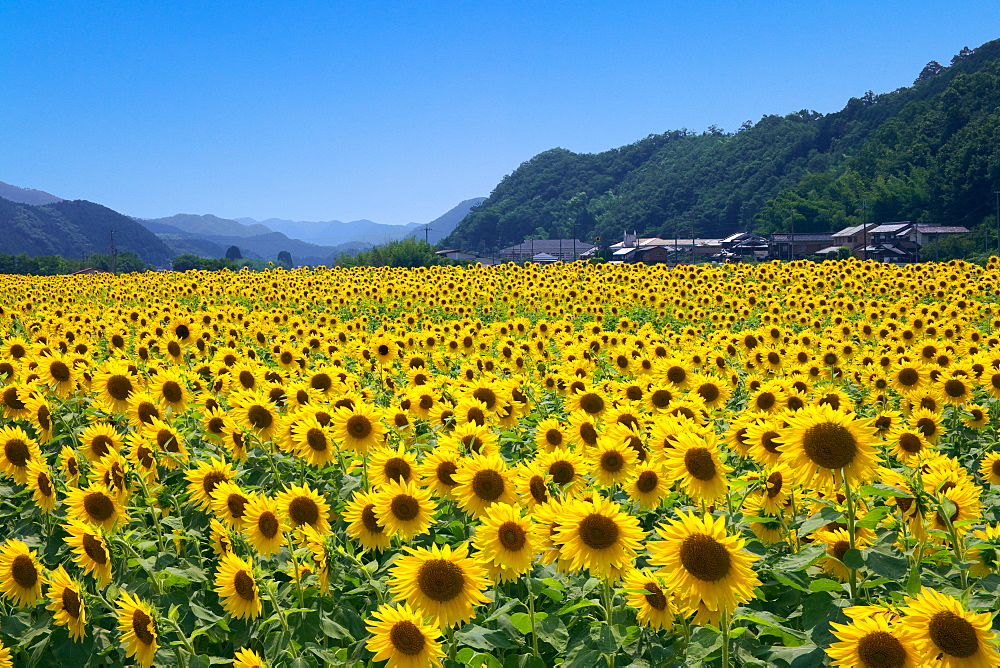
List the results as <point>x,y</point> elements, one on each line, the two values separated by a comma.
<point>926,152</point>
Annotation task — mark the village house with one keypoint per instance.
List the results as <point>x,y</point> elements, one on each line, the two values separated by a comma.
<point>563,250</point>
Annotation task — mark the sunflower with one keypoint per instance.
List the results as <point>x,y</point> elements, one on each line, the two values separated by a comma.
<point>506,541</point>
<point>820,442</point>
<point>695,464</point>
<point>565,468</point>
<point>437,470</point>
<point>17,452</point>
<point>583,431</point>
<point>138,628</point>
<point>404,509</point>
<point>262,525</point>
<point>90,548</point>
<point>14,401</point>
<point>302,505</point>
<point>42,485</point>
<point>762,435</point>
<point>975,416</point>
<point>648,484</point>
<point>205,477</point>
<point>247,658</point>
<point>98,439</point>
<point>70,465</point>
<point>57,374</point>
<point>95,504</point>
<point>229,503</point>
<point>401,639</point>
<point>168,440</point>
<point>550,434</point>
<point>838,542</point>
<point>237,588</point>
<point>768,398</point>
<point>169,387</point>
<point>471,438</point>
<point>255,413</point>
<point>5,660</point>
<point>359,428</point>
<point>954,391</point>
<point>67,604</point>
<point>706,569</point>
<point>907,444</point>
<point>947,635</point>
<point>649,595</point>
<point>591,402</point>
<point>483,480</point>
<point>989,468</point>
<point>114,384</point>
<point>40,416</point>
<point>362,523</point>
<point>21,574</point>
<point>391,465</point>
<point>710,391</point>
<point>317,544</point>
<point>964,495</point>
<point>873,641</point>
<point>909,378</point>
<point>598,537</point>
<point>440,582</point>
<point>612,461</point>
<point>927,422</point>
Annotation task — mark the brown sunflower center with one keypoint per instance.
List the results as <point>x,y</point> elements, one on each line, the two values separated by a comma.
<point>316,440</point>
<point>710,392</point>
<point>17,351</point>
<point>953,634</point>
<point>259,417</point>
<point>540,494</point>
<point>633,393</point>
<point>99,506</point>
<point>245,586</point>
<point>676,375</point>
<point>45,422</point>
<point>146,411</point>
<point>445,472</point>
<point>699,463</point>
<point>359,427</point>
<point>588,434</point>
<point>369,520</point>
<point>592,403</point>
<point>397,469</point>
<point>554,437</point>
<point>830,445</point>
<point>647,481</point>
<point>101,445</point>
<point>476,415</point>
<point>774,483</point>
<point>94,549</point>
<point>954,388</point>
<point>768,441</point>
<point>440,580</point>
<point>840,548</point>
<point>71,602</point>
<point>407,638</point>
<point>766,400</point>
<point>910,443</point>
<point>511,536</point>
<point>562,472</point>
<point>172,392</point>
<point>268,524</point>
<point>426,402</point>
<point>119,387</point>
<point>44,484</point>
<point>880,649</point>
<point>212,480</point>
<point>598,532</point>
<point>486,395</point>
<point>24,571</point>
<point>404,507</point>
<point>143,627</point>
<point>927,427</point>
<point>60,372</point>
<point>655,598</point>
<point>303,510</point>
<point>996,467</point>
<point>705,558</point>
<point>236,503</point>
<point>246,379</point>
<point>908,377</point>
<point>17,452</point>
<point>488,485</point>
<point>321,382</point>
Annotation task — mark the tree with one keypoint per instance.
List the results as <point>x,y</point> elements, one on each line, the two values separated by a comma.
<point>285,259</point>
<point>233,253</point>
<point>930,70</point>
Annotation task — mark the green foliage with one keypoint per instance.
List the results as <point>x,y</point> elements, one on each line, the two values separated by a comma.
<point>187,261</point>
<point>285,259</point>
<point>52,265</point>
<point>233,253</point>
<point>408,252</point>
<point>926,153</point>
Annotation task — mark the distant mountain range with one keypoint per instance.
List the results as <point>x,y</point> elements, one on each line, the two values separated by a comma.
<point>26,195</point>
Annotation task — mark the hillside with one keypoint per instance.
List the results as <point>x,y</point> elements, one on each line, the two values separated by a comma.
<point>210,225</point>
<point>334,231</point>
<point>26,195</point>
<point>72,228</point>
<point>444,224</point>
<point>925,152</point>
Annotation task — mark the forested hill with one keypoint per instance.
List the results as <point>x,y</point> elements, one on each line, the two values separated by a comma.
<point>926,152</point>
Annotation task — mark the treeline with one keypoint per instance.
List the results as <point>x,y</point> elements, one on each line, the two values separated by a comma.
<point>52,265</point>
<point>925,153</point>
<point>408,252</point>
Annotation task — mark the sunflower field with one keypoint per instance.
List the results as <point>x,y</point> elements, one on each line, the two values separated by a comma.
<point>789,464</point>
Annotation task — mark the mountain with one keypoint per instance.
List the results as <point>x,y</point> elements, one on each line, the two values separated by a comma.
<point>926,152</point>
<point>443,225</point>
<point>335,231</point>
<point>211,225</point>
<point>26,195</point>
<point>72,228</point>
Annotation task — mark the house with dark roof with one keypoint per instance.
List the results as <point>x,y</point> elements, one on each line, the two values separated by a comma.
<point>792,246</point>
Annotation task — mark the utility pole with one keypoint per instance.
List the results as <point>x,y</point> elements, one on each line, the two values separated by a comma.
<point>114,254</point>
<point>864,225</point>
<point>427,228</point>
<point>791,246</point>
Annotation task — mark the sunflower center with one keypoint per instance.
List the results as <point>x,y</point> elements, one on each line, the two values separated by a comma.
<point>705,558</point>
<point>211,480</point>
<point>840,548</point>
<point>426,402</point>
<point>182,332</point>
<point>592,403</point>
<point>655,598</point>
<point>259,417</point>
<point>830,445</point>
<point>119,387</point>
<point>267,524</point>
<point>359,427</point>
<point>598,532</point>
<point>954,388</point>
<point>244,586</point>
<point>247,380</point>
<point>404,507</point>
<point>953,634</point>
<point>676,375</point>
<point>171,391</point>
<point>383,350</point>
<point>699,463</point>
<point>99,506</point>
<point>486,395</point>
<point>141,623</point>
<point>766,400</point>
<point>554,437</point>
<point>44,484</point>
<point>146,411</point>
<point>71,602</point>
<point>908,377</point>
<point>316,439</point>
<point>588,434</point>
<point>881,649</point>
<point>927,427</point>
<point>488,485</point>
<point>236,503</point>
<point>562,472</point>
<point>145,456</point>
<point>633,393</point>
<point>774,483</point>
<point>647,482</point>
<point>45,422</point>
<point>511,536</point>
<point>769,442</point>
<point>440,580</point>
<point>94,549</point>
<point>710,392</point>
<point>101,445</point>
<point>660,398</point>
<point>303,510</point>
<point>17,452</point>
<point>445,472</point>
<point>538,492</point>
<point>59,371</point>
<point>910,443</point>
<point>406,638</point>
<point>24,572</point>
<point>17,351</point>
<point>369,520</point>
<point>397,469</point>
<point>476,415</point>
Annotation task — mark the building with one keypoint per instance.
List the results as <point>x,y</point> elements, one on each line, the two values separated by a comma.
<point>792,246</point>
<point>654,250</point>
<point>563,250</point>
<point>924,234</point>
<point>743,246</point>
<point>455,254</point>
<point>854,238</point>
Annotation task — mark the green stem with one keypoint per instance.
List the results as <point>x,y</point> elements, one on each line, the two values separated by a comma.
<point>850,532</point>
<point>724,628</point>
<point>608,612</point>
<point>148,499</point>
<point>531,615</point>
<point>180,632</point>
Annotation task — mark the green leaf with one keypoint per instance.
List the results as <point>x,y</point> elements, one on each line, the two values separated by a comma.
<point>874,516</point>
<point>554,632</point>
<point>825,584</point>
<point>522,620</point>
<point>787,581</point>
<point>803,558</point>
<point>883,562</point>
<point>884,491</point>
<point>853,558</point>
<point>820,519</point>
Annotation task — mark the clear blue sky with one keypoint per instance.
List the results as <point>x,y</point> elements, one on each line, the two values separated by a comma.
<point>396,111</point>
